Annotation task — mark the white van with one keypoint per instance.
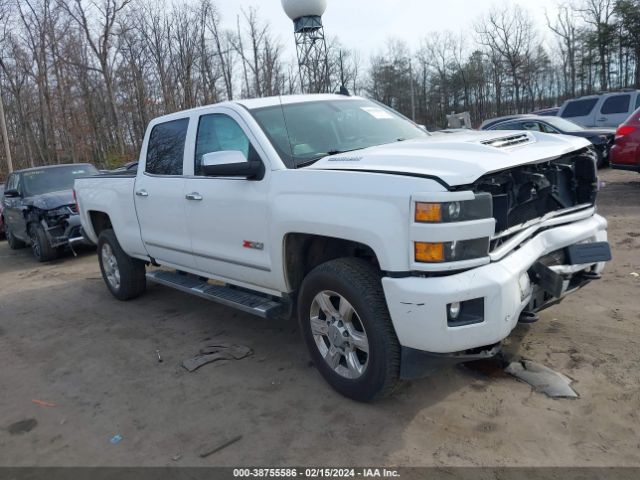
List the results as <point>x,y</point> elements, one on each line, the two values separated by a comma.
<point>605,110</point>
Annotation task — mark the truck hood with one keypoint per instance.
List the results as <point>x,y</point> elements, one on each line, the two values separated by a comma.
<point>456,159</point>
<point>49,201</point>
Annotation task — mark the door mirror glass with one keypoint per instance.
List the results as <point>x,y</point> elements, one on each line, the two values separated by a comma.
<point>11,193</point>
<point>225,157</point>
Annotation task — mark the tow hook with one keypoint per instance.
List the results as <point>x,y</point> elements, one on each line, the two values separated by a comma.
<point>527,317</point>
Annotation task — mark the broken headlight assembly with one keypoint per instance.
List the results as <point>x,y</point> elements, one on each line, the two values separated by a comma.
<point>479,208</point>
<point>59,212</point>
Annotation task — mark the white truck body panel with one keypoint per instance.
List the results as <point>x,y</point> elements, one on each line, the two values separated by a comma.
<point>367,196</point>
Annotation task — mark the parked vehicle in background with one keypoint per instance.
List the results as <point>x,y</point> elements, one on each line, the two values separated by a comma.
<point>1,211</point>
<point>604,110</point>
<point>547,112</point>
<point>40,211</point>
<point>625,154</point>
<point>397,250</point>
<point>601,139</point>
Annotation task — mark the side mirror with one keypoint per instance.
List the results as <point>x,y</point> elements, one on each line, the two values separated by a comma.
<point>11,193</point>
<point>231,163</point>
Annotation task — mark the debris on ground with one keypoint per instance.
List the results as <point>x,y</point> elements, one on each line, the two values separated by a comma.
<point>159,357</point>
<point>226,444</point>
<point>116,439</point>
<point>42,403</point>
<point>175,458</point>
<point>635,274</point>
<point>214,353</point>
<point>542,379</point>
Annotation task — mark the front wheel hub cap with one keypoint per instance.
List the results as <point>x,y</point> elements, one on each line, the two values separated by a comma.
<point>339,334</point>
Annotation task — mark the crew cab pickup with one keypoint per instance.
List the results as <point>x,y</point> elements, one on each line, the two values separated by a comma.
<point>397,250</point>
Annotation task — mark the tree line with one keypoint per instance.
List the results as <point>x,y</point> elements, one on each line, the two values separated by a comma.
<point>80,79</point>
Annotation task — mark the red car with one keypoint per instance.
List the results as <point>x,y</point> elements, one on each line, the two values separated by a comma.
<point>625,153</point>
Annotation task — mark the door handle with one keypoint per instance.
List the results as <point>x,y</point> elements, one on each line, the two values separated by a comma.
<point>142,193</point>
<point>602,119</point>
<point>194,196</point>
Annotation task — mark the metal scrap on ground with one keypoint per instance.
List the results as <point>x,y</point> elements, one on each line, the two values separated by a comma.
<point>213,353</point>
<point>542,379</point>
<point>224,445</point>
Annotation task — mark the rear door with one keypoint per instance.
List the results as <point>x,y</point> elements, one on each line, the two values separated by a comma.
<point>614,110</point>
<point>159,195</point>
<point>581,111</point>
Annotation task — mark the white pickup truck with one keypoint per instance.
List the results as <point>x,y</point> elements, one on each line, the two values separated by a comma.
<point>396,249</point>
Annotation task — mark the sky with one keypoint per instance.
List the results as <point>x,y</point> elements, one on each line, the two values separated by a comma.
<point>366,24</point>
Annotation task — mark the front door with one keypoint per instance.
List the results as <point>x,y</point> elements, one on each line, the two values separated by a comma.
<point>159,196</point>
<point>228,217</point>
<point>14,210</point>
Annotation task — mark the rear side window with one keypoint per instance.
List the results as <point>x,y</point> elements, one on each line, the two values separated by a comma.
<point>165,152</point>
<point>616,104</point>
<point>579,108</point>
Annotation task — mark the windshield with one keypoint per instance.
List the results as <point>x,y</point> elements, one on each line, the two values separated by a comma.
<point>47,180</point>
<point>564,125</point>
<point>305,132</point>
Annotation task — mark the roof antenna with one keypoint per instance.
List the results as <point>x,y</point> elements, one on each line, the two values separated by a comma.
<point>344,91</point>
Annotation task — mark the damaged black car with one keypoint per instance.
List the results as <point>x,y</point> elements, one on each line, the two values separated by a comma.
<point>40,211</point>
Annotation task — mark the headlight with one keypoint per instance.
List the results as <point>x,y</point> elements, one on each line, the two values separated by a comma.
<point>478,208</point>
<point>451,251</point>
<point>58,212</point>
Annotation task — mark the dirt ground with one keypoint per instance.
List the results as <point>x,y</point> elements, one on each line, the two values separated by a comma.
<point>65,341</point>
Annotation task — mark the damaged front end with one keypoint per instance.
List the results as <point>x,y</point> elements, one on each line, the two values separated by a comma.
<point>530,199</point>
<point>61,225</point>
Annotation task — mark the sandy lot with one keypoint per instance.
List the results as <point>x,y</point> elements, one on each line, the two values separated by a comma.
<point>64,340</point>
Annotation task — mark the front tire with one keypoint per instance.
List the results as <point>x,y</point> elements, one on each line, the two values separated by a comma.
<point>346,325</point>
<point>40,246</point>
<point>124,276</point>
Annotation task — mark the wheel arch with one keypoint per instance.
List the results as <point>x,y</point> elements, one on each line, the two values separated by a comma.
<point>302,252</point>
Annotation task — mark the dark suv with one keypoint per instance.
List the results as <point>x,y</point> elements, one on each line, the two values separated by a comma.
<point>40,211</point>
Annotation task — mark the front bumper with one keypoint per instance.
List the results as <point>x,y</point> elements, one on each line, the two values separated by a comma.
<point>66,233</point>
<point>418,305</point>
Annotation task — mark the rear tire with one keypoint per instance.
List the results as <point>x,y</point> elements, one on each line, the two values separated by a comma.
<point>14,243</point>
<point>40,246</point>
<point>346,325</point>
<point>124,276</point>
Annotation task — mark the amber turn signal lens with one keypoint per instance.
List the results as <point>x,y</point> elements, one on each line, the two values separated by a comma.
<point>428,212</point>
<point>429,252</point>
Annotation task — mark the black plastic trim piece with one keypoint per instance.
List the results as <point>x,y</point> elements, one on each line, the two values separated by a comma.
<point>630,168</point>
<point>416,364</point>
<point>401,174</point>
<point>585,253</point>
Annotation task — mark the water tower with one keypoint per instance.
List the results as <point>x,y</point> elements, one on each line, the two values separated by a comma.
<point>310,43</point>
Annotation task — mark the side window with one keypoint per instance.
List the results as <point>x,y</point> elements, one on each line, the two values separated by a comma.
<point>508,126</point>
<point>547,128</point>
<point>638,102</point>
<point>616,104</point>
<point>165,153</point>
<point>220,133</point>
<point>13,183</point>
<point>533,126</point>
<point>579,108</point>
